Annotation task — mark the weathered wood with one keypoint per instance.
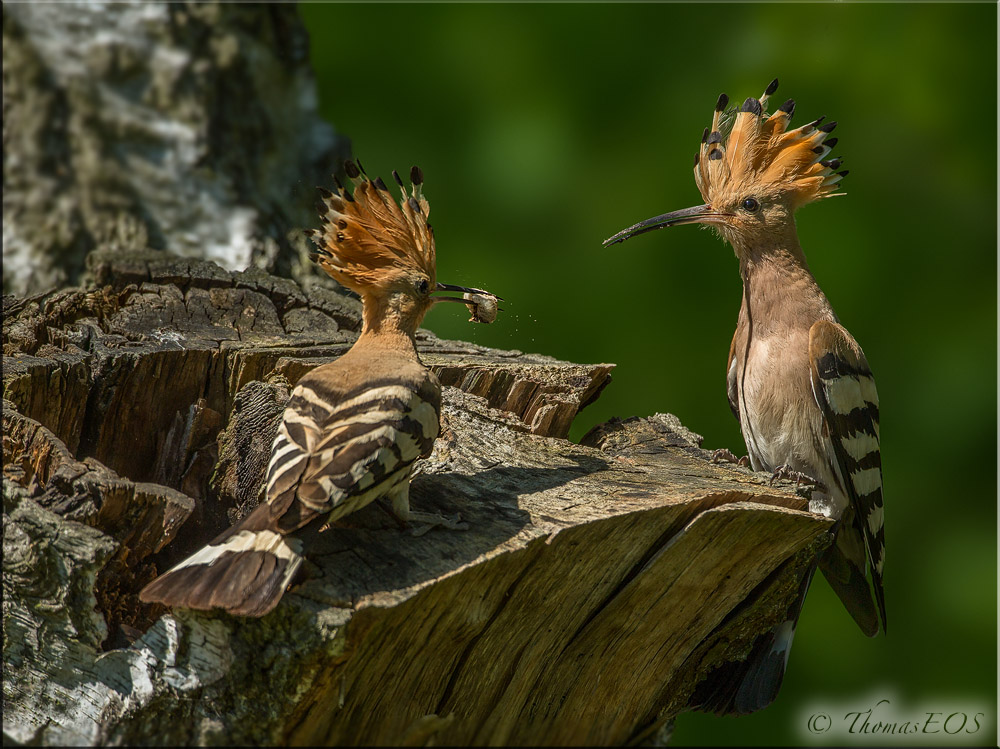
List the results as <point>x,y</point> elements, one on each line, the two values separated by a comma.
<point>597,586</point>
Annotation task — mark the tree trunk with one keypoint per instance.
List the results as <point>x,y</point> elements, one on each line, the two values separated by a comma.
<point>183,127</point>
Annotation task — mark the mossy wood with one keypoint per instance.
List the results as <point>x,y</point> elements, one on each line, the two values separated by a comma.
<point>597,586</point>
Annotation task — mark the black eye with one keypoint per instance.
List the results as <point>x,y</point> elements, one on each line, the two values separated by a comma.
<point>750,204</point>
<point>422,285</point>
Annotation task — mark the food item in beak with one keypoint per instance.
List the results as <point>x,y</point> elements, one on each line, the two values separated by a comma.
<point>483,307</point>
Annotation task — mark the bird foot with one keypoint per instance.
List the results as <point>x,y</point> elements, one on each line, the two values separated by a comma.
<point>428,520</point>
<point>786,473</point>
<point>724,455</point>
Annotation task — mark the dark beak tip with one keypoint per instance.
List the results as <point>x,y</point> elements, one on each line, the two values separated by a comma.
<point>466,290</point>
<point>676,218</point>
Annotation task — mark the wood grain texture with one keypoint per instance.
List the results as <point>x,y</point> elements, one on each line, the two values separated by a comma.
<point>597,586</point>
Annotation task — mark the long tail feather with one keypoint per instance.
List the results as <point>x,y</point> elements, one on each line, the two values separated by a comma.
<point>244,571</point>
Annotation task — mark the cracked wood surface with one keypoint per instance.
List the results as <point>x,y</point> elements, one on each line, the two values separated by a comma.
<point>597,586</point>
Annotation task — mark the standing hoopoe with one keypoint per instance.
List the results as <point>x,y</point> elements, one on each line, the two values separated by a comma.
<point>354,427</point>
<point>797,381</point>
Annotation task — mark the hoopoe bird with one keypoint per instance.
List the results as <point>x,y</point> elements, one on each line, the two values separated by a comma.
<point>797,381</point>
<point>353,428</point>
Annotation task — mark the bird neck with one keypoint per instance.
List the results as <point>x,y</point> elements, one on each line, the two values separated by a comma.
<point>779,290</point>
<point>388,325</point>
<point>779,250</point>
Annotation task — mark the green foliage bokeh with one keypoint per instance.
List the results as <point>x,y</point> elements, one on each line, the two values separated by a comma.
<point>544,129</point>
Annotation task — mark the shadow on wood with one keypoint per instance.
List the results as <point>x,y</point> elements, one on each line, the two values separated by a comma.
<point>597,586</point>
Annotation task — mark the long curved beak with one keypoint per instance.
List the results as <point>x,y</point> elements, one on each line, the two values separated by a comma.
<point>464,290</point>
<point>699,214</point>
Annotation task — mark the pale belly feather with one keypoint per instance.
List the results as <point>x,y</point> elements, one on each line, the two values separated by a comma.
<point>782,424</point>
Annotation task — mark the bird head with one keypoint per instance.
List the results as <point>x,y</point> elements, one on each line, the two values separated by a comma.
<point>754,173</point>
<point>382,249</point>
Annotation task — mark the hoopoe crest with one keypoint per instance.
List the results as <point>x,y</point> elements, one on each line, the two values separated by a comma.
<point>752,171</point>
<point>374,246</point>
<point>352,428</point>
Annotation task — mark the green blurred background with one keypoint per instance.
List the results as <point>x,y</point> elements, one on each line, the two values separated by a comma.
<point>544,129</point>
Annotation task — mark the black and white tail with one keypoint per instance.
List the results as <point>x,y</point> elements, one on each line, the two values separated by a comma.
<point>244,571</point>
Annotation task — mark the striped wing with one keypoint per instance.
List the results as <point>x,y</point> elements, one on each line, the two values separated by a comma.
<point>335,453</point>
<point>845,391</point>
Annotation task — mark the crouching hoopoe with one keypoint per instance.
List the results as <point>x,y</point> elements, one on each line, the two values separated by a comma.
<point>354,427</point>
<point>797,381</point>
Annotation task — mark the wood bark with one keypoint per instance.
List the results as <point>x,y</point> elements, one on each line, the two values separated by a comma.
<point>597,586</point>
<point>188,127</point>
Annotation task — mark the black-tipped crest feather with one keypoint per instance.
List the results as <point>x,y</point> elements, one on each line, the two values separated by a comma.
<point>746,150</point>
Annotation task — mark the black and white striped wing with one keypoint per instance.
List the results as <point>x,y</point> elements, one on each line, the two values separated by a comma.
<point>335,453</point>
<point>845,391</point>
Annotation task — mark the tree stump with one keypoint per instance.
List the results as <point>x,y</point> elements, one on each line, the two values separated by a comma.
<point>597,585</point>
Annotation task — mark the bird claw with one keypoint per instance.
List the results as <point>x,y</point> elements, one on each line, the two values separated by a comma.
<point>786,473</point>
<point>428,520</point>
<point>724,455</point>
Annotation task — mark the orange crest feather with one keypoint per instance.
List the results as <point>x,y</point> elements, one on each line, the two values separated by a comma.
<point>750,152</point>
<point>368,238</point>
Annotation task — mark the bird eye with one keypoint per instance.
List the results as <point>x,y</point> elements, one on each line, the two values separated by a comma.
<point>422,285</point>
<point>751,205</point>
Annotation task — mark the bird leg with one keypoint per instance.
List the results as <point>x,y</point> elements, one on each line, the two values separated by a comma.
<point>725,455</point>
<point>786,473</point>
<point>430,519</point>
<point>400,497</point>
